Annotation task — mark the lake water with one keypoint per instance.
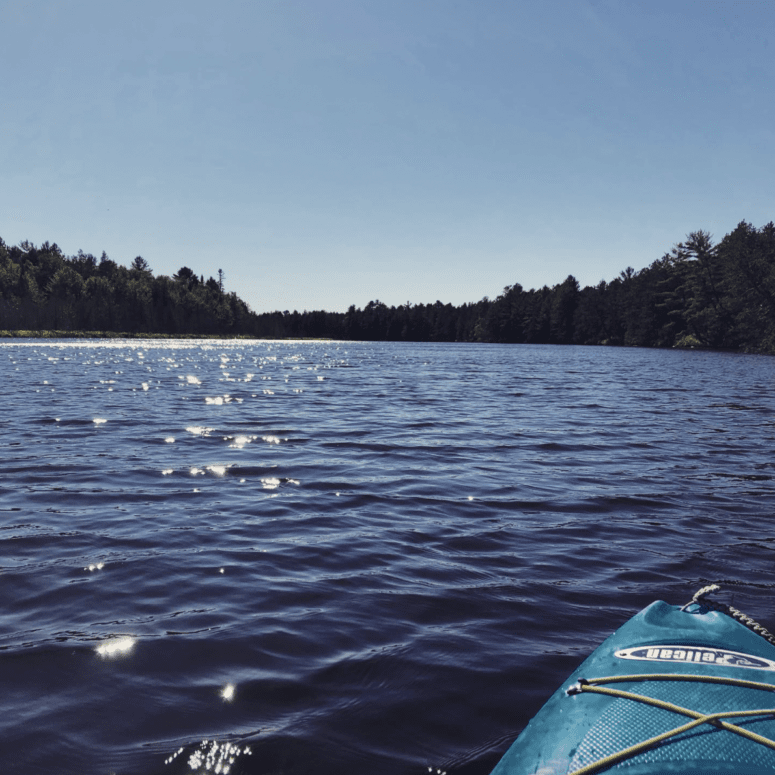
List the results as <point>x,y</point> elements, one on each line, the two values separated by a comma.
<point>338,557</point>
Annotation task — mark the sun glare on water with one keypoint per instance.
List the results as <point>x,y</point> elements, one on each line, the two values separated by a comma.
<point>116,646</point>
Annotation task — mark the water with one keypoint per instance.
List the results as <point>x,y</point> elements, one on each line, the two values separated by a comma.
<point>317,557</point>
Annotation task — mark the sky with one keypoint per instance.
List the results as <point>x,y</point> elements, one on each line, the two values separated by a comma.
<point>325,153</point>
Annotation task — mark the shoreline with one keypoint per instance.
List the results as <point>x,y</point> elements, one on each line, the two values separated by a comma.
<point>54,334</point>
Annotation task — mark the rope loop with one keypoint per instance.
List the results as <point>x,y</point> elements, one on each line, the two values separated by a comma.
<point>701,597</point>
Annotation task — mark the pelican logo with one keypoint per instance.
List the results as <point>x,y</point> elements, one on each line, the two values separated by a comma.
<point>698,655</point>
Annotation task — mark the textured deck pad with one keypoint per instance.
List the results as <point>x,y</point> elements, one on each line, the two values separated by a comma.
<point>626,722</point>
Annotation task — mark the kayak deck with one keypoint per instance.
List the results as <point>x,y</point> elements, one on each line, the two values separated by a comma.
<point>694,670</point>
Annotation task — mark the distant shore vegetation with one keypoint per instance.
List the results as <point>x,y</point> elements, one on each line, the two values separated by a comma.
<point>700,294</point>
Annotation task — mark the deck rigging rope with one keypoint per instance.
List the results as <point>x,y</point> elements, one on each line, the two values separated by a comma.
<point>716,719</point>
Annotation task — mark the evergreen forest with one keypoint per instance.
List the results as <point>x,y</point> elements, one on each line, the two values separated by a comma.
<point>699,294</point>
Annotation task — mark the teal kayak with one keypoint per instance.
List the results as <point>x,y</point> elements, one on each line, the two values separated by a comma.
<point>676,689</point>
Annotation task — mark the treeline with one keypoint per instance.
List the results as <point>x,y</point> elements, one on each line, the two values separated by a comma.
<point>41,288</point>
<point>699,294</point>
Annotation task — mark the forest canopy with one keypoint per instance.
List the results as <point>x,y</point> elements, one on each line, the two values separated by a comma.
<point>699,294</point>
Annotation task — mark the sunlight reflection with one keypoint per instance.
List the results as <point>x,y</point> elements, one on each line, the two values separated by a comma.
<point>228,691</point>
<point>99,420</point>
<point>212,756</point>
<point>217,470</point>
<point>170,439</point>
<point>270,483</point>
<point>116,646</point>
<point>238,442</point>
<point>199,430</point>
<point>149,345</point>
<point>192,380</point>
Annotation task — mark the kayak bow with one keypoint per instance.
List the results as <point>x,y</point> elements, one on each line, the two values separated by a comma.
<point>675,690</point>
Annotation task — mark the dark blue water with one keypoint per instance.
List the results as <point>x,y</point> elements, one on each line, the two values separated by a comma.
<point>315,557</point>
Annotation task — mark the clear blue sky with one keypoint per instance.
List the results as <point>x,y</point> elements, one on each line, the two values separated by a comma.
<point>329,152</point>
